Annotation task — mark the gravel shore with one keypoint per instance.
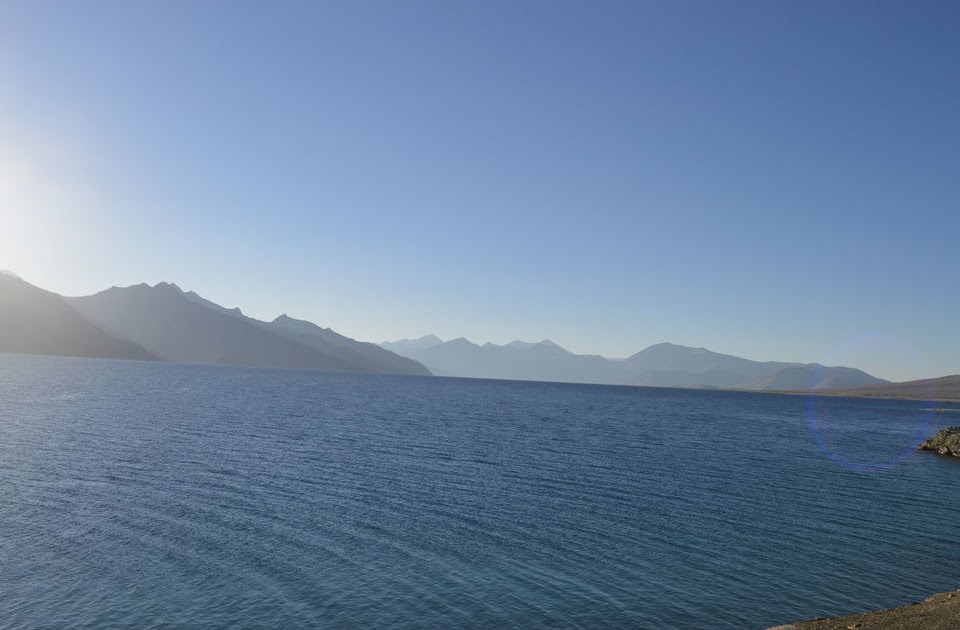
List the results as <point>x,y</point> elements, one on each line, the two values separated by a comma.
<point>939,612</point>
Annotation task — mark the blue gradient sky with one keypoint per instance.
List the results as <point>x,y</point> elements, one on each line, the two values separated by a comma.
<point>777,180</point>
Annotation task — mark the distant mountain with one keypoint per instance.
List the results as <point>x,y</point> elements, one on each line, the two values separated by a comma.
<point>34,321</point>
<point>661,365</point>
<point>360,353</point>
<point>184,327</point>
<point>812,377</point>
<point>670,362</point>
<point>193,297</point>
<point>165,323</point>
<point>370,355</point>
<point>543,361</point>
<point>405,347</point>
<point>943,388</point>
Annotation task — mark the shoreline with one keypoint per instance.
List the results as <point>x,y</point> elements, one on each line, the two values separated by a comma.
<point>827,393</point>
<point>879,392</point>
<point>937,612</point>
<point>841,394</point>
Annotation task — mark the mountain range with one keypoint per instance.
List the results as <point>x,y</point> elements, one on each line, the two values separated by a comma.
<point>162,322</point>
<point>165,323</point>
<point>34,321</point>
<point>661,365</point>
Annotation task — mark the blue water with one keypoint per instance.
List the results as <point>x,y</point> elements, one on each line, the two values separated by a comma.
<point>147,495</point>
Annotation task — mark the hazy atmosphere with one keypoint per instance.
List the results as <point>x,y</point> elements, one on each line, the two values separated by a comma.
<point>479,314</point>
<point>768,179</point>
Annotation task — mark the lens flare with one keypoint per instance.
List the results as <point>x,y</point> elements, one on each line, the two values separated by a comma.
<point>818,422</point>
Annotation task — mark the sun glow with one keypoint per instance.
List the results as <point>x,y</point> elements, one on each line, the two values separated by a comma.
<point>33,225</point>
<point>19,201</point>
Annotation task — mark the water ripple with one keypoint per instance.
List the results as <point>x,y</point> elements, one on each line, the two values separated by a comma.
<point>145,495</point>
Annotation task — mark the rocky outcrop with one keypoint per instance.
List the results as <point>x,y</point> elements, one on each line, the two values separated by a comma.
<point>947,442</point>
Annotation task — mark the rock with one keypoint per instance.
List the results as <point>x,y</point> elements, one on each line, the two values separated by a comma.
<point>947,442</point>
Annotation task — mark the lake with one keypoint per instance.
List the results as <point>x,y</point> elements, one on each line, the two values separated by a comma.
<point>137,494</point>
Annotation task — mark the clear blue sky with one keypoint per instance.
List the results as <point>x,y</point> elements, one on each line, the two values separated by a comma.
<point>770,179</point>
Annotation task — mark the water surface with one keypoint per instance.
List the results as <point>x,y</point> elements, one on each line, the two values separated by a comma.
<point>143,494</point>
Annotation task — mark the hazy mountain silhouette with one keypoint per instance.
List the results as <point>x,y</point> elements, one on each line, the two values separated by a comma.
<point>185,327</point>
<point>698,367</point>
<point>661,365</point>
<point>405,347</point>
<point>651,365</point>
<point>542,361</point>
<point>163,322</point>
<point>35,321</point>
<point>193,297</point>
<point>369,355</point>
<point>942,388</point>
<point>813,377</point>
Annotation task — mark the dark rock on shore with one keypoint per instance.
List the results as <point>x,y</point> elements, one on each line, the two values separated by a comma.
<point>947,442</point>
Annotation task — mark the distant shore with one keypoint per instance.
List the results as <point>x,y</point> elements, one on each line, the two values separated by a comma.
<point>938,612</point>
<point>875,396</point>
<point>943,389</point>
<point>838,393</point>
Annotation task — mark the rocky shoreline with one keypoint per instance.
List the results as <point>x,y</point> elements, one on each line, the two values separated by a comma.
<point>947,442</point>
<point>939,612</point>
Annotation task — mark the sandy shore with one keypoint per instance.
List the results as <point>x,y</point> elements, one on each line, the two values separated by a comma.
<point>940,612</point>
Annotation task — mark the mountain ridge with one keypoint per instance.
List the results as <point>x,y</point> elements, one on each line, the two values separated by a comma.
<point>162,322</point>
<point>660,365</point>
<point>185,327</point>
<point>37,321</point>
<point>946,388</point>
